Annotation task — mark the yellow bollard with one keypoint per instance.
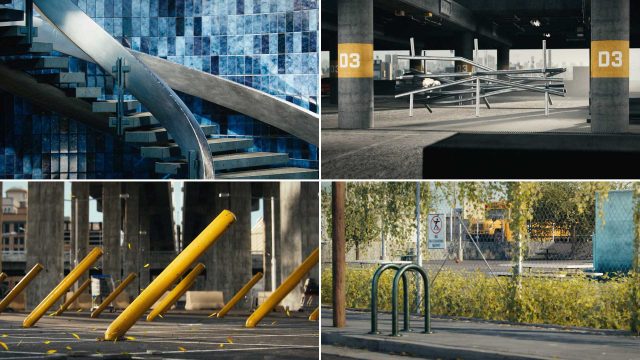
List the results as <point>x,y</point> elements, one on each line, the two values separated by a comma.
<point>62,288</point>
<point>120,288</point>
<point>245,289</point>
<point>73,298</point>
<point>35,270</point>
<point>3,276</point>
<point>314,314</point>
<point>285,288</point>
<point>176,293</point>
<point>169,275</point>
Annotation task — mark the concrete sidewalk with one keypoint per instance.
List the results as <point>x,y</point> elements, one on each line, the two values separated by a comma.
<point>466,339</point>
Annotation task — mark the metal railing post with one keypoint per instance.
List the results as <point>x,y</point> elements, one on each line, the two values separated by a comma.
<point>28,21</point>
<point>119,70</point>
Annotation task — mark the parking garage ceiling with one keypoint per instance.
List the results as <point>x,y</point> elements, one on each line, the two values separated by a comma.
<point>521,24</point>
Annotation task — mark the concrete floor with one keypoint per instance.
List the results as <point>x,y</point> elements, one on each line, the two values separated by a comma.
<point>475,339</point>
<point>393,149</point>
<point>276,337</point>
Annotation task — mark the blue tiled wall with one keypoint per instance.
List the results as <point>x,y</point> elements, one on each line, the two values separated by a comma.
<point>35,144</point>
<point>270,45</point>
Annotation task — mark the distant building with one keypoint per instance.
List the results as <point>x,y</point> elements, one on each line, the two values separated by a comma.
<point>14,221</point>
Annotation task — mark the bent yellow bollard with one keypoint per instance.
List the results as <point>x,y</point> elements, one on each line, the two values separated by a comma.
<point>169,275</point>
<point>73,298</point>
<point>177,292</point>
<point>120,288</point>
<point>3,276</point>
<point>62,288</point>
<point>285,288</point>
<point>245,289</point>
<point>314,315</point>
<point>35,270</point>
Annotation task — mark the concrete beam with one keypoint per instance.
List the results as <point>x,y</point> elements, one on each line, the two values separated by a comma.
<point>45,238</point>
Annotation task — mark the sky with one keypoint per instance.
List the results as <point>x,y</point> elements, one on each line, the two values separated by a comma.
<point>95,216</point>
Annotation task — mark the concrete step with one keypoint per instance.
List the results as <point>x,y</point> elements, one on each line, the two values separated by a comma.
<point>62,78</point>
<point>246,160</point>
<point>8,14</point>
<point>159,135</point>
<point>84,92</point>
<point>135,120</point>
<point>39,63</point>
<point>110,106</point>
<point>227,162</point>
<point>13,31</point>
<point>35,48</point>
<point>273,173</point>
<point>172,151</point>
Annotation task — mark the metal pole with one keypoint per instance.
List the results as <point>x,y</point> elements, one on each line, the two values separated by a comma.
<point>418,247</point>
<point>382,250</point>
<point>75,240</point>
<point>411,105</point>
<point>546,93</point>
<point>28,15</point>
<point>478,97</point>
<point>273,247</point>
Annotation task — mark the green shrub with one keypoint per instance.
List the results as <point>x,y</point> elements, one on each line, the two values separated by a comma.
<point>569,301</point>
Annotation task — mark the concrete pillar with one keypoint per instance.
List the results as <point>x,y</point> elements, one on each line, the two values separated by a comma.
<point>79,224</point>
<point>145,243</point>
<point>503,58</point>
<point>355,64</point>
<point>131,227</point>
<point>228,261</point>
<point>298,233</point>
<point>45,238</point>
<point>464,48</point>
<point>111,225</point>
<point>610,66</point>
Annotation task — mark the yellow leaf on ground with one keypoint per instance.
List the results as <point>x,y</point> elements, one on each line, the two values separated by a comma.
<point>5,335</point>
<point>213,314</point>
<point>4,346</point>
<point>68,347</point>
<point>273,323</point>
<point>161,317</point>
<point>129,245</point>
<point>146,265</point>
<point>221,345</point>
<point>130,338</point>
<point>79,310</point>
<point>229,340</point>
<point>47,342</point>
<point>75,336</point>
<point>288,313</point>
<point>52,351</point>
<point>181,348</point>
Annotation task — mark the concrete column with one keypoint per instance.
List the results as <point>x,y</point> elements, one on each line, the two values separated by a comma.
<point>298,233</point>
<point>610,66</point>
<point>228,261</point>
<point>111,225</point>
<point>503,58</point>
<point>79,225</point>
<point>464,48</point>
<point>355,64</point>
<point>45,238</point>
<point>145,245</point>
<point>132,260</point>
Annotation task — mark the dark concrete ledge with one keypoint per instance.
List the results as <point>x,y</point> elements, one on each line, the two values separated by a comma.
<point>533,156</point>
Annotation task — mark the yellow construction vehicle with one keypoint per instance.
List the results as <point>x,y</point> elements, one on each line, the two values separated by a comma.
<point>495,224</point>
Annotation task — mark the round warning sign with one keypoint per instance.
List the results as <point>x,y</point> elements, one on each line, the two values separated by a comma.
<point>436,224</point>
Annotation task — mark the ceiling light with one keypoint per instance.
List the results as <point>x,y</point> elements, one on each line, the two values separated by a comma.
<point>547,35</point>
<point>535,22</point>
